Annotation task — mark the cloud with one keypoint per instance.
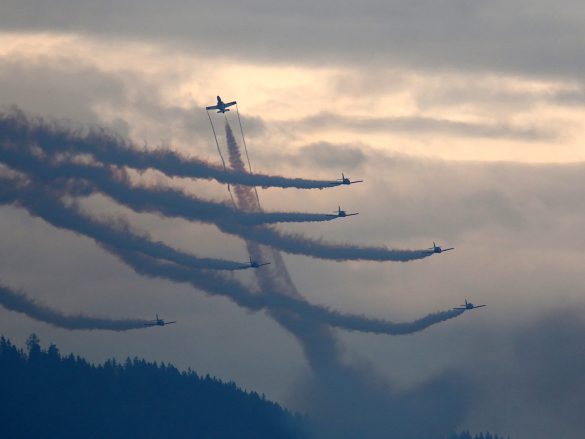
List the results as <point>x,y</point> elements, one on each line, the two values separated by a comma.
<point>422,125</point>
<point>61,87</point>
<point>514,226</point>
<point>534,208</point>
<point>126,102</point>
<point>533,369</point>
<point>332,156</point>
<point>343,402</point>
<point>520,37</point>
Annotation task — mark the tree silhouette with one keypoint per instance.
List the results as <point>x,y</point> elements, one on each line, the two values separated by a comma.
<point>46,395</point>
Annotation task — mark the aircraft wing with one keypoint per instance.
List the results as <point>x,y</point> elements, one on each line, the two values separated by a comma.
<point>213,107</point>
<point>168,323</point>
<point>357,181</point>
<point>352,214</point>
<point>229,104</point>
<point>447,249</point>
<point>479,306</point>
<point>265,263</point>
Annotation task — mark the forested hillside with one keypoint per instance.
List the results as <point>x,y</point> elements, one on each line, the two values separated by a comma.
<point>47,396</point>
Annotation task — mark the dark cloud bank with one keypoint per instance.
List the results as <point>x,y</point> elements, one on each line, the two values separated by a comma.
<point>516,37</point>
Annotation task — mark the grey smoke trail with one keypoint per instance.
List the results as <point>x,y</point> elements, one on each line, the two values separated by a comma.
<point>173,203</point>
<point>295,243</point>
<point>220,155</point>
<point>17,128</point>
<point>42,203</point>
<point>343,399</point>
<point>246,149</point>
<point>336,383</point>
<point>166,201</point>
<point>148,258</point>
<point>272,300</point>
<point>318,342</point>
<point>19,302</point>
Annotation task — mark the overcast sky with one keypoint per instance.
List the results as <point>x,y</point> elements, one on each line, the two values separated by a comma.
<point>464,118</point>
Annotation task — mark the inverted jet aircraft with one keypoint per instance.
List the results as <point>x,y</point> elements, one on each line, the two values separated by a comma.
<point>221,106</point>
<point>468,306</point>
<point>342,213</point>
<point>158,322</point>
<point>252,264</point>
<point>436,249</point>
<point>345,180</point>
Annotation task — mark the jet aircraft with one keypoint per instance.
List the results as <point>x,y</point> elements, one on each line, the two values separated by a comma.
<point>342,213</point>
<point>158,322</point>
<point>252,264</point>
<point>468,306</point>
<point>221,106</point>
<point>345,180</point>
<point>436,249</point>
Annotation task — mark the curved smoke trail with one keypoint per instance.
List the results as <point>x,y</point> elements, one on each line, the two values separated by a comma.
<point>273,300</point>
<point>16,128</point>
<point>19,302</point>
<point>166,201</point>
<point>295,243</point>
<point>149,259</point>
<point>41,203</point>
<point>336,383</point>
<point>318,342</point>
<point>174,203</point>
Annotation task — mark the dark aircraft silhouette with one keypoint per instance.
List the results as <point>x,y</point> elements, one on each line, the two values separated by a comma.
<point>345,180</point>
<point>436,249</point>
<point>342,213</point>
<point>468,306</point>
<point>221,106</point>
<point>252,264</point>
<point>158,322</point>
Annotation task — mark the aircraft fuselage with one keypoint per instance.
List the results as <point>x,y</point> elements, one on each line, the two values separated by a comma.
<point>221,108</point>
